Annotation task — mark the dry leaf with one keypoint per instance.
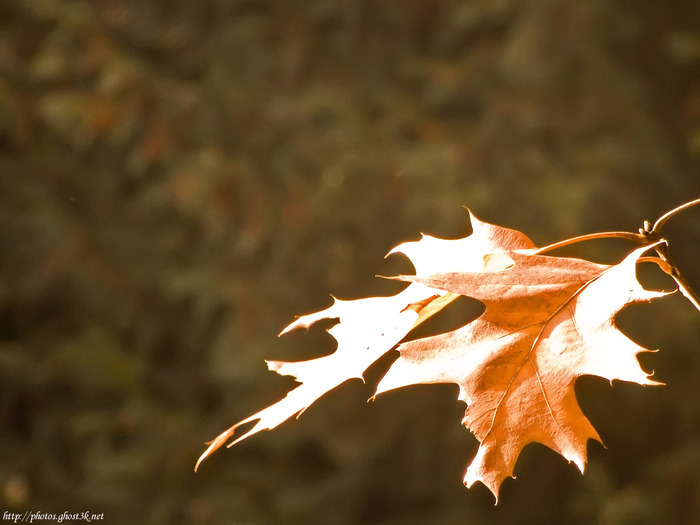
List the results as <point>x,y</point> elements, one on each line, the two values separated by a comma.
<point>368,328</point>
<point>548,321</point>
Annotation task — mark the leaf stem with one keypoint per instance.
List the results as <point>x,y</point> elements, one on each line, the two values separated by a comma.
<point>634,237</point>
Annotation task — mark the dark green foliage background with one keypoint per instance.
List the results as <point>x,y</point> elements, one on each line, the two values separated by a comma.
<point>178,179</point>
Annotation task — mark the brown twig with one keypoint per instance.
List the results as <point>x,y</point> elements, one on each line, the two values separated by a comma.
<point>648,234</point>
<point>661,220</point>
<point>662,250</point>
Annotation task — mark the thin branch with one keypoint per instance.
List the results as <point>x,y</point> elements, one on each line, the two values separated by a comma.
<point>662,250</point>
<point>683,285</point>
<point>686,290</point>
<point>647,235</point>
<point>661,220</point>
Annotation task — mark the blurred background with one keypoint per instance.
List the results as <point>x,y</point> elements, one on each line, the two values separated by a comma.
<point>179,179</point>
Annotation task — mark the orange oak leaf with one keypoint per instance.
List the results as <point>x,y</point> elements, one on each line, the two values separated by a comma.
<point>548,321</point>
<point>368,328</point>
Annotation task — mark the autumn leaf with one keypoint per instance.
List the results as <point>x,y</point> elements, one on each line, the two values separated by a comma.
<point>547,321</point>
<point>368,328</point>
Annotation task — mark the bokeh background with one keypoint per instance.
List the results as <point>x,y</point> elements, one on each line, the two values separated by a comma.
<point>178,179</point>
